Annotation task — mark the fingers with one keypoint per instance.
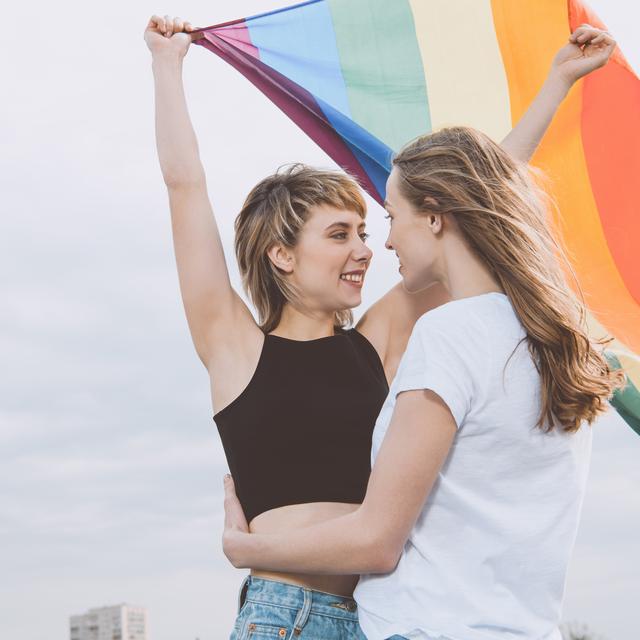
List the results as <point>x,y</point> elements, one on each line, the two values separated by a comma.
<point>168,25</point>
<point>585,34</point>
<point>229,487</point>
<point>604,38</point>
<point>157,23</point>
<point>234,517</point>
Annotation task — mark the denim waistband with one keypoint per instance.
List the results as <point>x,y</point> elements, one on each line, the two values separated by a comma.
<point>274,592</point>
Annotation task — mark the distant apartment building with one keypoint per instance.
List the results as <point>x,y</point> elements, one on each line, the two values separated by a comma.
<point>120,622</point>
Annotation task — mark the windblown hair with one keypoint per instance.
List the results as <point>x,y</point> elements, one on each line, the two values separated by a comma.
<point>503,214</point>
<point>274,213</point>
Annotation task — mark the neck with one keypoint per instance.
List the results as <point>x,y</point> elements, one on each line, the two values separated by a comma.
<point>464,274</point>
<point>296,325</point>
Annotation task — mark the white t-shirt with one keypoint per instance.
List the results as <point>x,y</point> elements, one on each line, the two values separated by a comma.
<point>488,555</point>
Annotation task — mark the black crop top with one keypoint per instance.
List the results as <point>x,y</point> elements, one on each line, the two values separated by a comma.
<point>301,429</point>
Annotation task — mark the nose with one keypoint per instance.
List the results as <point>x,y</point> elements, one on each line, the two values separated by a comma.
<point>362,253</point>
<point>387,242</point>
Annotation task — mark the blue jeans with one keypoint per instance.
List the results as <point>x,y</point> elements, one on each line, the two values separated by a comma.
<point>268,609</point>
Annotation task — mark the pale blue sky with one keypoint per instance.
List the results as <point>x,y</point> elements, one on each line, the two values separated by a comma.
<point>110,465</point>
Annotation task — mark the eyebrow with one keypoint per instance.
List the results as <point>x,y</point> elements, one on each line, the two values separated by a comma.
<point>386,204</point>
<point>343,225</point>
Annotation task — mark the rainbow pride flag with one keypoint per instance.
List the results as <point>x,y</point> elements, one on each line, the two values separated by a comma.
<point>363,77</point>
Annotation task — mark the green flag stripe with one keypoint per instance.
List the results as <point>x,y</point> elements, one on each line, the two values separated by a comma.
<point>384,78</point>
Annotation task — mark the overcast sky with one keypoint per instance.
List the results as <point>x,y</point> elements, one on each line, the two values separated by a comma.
<point>110,465</point>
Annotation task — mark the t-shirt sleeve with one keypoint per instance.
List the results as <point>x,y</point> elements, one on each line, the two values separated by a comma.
<point>446,354</point>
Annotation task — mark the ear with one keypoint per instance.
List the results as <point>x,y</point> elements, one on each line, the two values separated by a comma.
<point>281,258</point>
<point>435,222</point>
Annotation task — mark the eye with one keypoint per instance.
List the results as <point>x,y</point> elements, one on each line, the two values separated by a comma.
<point>340,236</point>
<point>364,236</point>
<point>388,217</point>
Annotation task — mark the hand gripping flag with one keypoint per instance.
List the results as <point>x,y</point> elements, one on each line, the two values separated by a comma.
<point>363,77</point>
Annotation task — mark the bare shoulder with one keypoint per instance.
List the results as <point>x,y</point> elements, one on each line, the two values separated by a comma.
<point>375,326</point>
<point>233,361</point>
<point>389,322</point>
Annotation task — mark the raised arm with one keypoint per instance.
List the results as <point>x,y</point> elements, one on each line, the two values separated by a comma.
<point>588,49</point>
<point>388,323</point>
<point>216,314</point>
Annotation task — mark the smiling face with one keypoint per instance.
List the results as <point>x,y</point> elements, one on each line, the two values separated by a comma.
<point>416,238</point>
<point>328,263</point>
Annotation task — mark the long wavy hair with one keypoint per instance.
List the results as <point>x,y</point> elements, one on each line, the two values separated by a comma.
<point>503,214</point>
<point>273,213</point>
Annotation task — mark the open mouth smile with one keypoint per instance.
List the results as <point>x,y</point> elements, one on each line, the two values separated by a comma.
<point>354,278</point>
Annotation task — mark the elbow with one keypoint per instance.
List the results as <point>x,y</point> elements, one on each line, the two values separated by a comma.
<point>229,554</point>
<point>380,545</point>
<point>382,556</point>
<point>388,561</point>
<point>232,550</point>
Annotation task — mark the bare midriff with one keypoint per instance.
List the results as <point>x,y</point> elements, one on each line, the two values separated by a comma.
<point>296,516</point>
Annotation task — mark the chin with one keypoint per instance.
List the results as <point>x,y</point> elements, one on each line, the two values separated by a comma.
<point>409,285</point>
<point>351,302</point>
<point>415,285</point>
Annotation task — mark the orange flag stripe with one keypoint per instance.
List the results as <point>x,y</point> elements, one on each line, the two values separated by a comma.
<point>562,156</point>
<point>611,138</point>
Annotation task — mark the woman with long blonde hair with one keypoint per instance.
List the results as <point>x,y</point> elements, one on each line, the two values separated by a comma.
<point>482,447</point>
